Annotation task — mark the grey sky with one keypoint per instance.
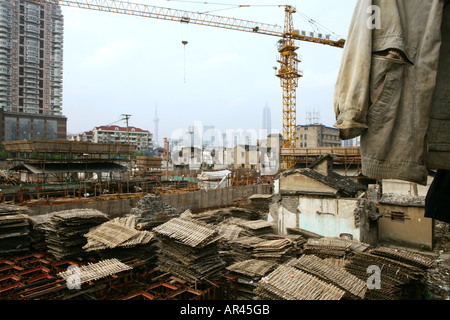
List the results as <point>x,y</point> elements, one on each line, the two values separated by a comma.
<point>116,64</point>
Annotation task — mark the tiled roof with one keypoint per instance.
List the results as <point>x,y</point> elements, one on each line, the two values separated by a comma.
<point>121,129</point>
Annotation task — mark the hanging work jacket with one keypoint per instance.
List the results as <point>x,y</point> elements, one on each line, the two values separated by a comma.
<point>393,87</point>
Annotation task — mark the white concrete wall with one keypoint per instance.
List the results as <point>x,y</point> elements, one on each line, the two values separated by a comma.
<point>328,217</point>
<point>405,187</point>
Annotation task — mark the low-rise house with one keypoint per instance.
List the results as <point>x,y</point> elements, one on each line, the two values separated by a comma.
<point>321,201</point>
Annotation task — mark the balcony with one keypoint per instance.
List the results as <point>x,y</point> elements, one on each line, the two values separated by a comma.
<point>31,34</point>
<point>32,18</point>
<point>31,81</point>
<point>32,59</point>
<point>32,91</point>
<point>31,65</point>
<point>32,28</point>
<point>31,102</point>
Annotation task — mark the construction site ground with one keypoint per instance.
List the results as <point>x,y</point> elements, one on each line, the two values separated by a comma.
<point>437,281</point>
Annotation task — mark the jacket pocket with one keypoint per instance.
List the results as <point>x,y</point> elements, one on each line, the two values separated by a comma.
<point>385,83</point>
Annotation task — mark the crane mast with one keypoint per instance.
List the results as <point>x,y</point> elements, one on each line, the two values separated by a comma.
<point>288,58</point>
<point>288,74</point>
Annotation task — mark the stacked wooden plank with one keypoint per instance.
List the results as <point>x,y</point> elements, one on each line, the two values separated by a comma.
<point>256,227</point>
<point>411,258</point>
<point>189,249</point>
<point>276,250</point>
<point>37,231</point>
<point>77,276</point>
<point>120,238</point>
<point>327,247</point>
<point>228,232</point>
<point>354,287</point>
<point>248,273</point>
<point>65,230</point>
<point>242,248</point>
<point>289,283</point>
<point>297,241</point>
<point>399,279</point>
<point>304,233</point>
<point>14,229</point>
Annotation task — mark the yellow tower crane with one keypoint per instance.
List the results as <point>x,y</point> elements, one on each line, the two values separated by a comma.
<point>288,58</point>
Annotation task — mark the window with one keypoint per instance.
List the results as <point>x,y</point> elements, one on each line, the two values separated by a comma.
<point>398,216</point>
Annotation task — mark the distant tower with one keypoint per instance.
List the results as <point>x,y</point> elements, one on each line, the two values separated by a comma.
<point>155,121</point>
<point>267,124</point>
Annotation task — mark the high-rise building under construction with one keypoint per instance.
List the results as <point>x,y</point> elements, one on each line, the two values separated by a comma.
<point>31,71</point>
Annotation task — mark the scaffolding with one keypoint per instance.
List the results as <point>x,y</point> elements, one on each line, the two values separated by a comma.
<point>349,157</point>
<point>66,168</point>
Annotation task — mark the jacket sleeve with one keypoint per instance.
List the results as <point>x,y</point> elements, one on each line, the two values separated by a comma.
<point>351,95</point>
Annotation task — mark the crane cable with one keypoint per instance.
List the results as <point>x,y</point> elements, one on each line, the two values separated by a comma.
<point>318,27</point>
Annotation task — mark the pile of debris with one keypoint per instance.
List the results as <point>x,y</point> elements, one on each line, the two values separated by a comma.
<point>289,283</point>
<point>65,230</point>
<point>6,177</point>
<point>151,211</point>
<point>120,238</point>
<point>248,274</point>
<point>14,229</point>
<point>261,204</point>
<point>223,215</point>
<point>189,249</point>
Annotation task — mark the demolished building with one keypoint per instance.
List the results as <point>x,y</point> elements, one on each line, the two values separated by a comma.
<point>321,201</point>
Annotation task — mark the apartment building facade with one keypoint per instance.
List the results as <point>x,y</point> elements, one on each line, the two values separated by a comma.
<point>31,70</point>
<point>316,136</point>
<point>143,139</point>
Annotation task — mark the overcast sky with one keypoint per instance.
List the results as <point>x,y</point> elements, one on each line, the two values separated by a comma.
<point>116,64</point>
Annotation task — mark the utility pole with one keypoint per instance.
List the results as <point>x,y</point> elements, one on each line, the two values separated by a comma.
<point>127,116</point>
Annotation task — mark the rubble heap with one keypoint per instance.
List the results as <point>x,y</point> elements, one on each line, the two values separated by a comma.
<point>119,238</point>
<point>189,249</point>
<point>151,211</point>
<point>261,203</point>
<point>14,229</point>
<point>248,273</point>
<point>65,230</point>
<point>223,215</point>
